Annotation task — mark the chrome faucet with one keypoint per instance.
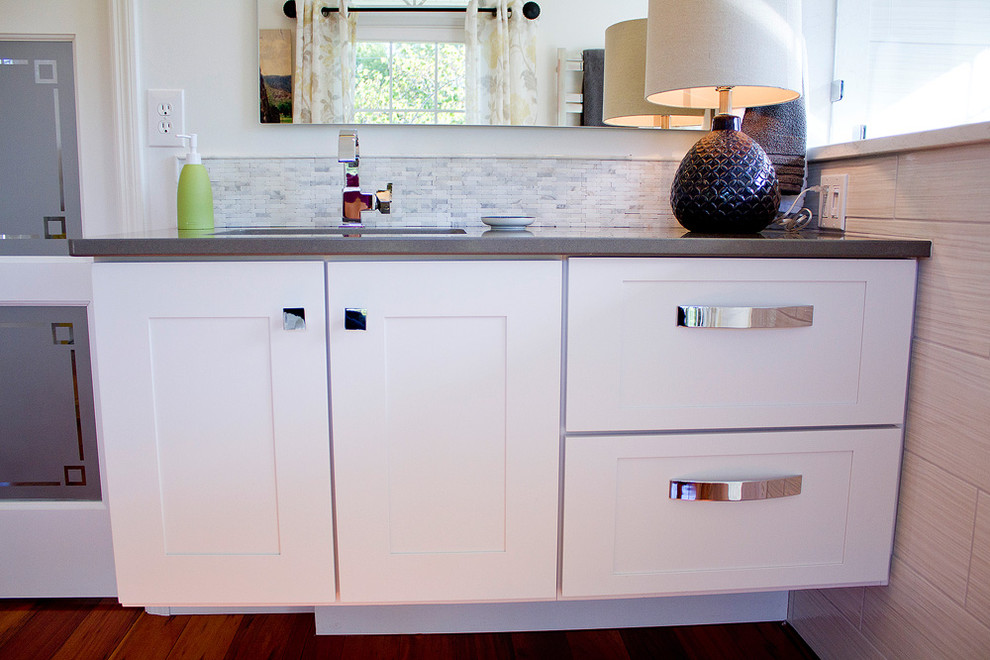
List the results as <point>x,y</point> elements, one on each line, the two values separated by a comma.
<point>355,201</point>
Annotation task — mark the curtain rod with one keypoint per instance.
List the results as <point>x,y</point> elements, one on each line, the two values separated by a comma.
<point>530,9</point>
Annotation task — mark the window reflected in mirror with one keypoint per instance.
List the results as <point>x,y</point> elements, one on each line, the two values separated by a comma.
<point>409,83</point>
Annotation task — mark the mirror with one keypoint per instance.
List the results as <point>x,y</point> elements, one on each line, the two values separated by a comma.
<point>564,29</point>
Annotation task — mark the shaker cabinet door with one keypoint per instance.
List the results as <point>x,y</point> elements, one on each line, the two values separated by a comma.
<point>445,381</point>
<point>214,400</point>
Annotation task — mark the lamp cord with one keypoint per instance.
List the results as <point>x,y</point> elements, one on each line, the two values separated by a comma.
<point>792,221</point>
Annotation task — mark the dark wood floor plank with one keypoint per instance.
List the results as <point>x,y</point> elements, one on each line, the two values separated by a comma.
<point>482,646</point>
<point>263,637</point>
<point>594,644</point>
<point>206,637</point>
<point>13,615</point>
<point>150,638</point>
<point>370,647</point>
<point>652,643</point>
<point>741,640</point>
<point>49,625</point>
<point>417,647</point>
<point>541,645</point>
<point>302,628</point>
<point>99,634</point>
<point>704,642</point>
<point>323,647</point>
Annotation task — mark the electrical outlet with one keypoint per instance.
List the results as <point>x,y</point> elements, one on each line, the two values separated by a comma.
<point>165,117</point>
<point>832,201</point>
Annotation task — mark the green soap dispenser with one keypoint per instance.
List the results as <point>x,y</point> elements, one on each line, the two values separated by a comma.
<point>194,198</point>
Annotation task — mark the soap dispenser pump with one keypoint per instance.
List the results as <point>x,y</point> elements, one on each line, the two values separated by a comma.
<point>194,198</point>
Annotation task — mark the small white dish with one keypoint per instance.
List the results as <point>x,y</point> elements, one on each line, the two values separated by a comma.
<point>508,221</point>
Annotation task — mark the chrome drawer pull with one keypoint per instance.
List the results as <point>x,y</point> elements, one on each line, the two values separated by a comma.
<point>702,316</point>
<point>735,491</point>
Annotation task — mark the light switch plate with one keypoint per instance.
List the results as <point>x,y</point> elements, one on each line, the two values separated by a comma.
<point>166,117</point>
<point>832,201</point>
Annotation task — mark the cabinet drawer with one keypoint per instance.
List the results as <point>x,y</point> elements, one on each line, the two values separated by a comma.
<point>624,535</point>
<point>840,358</point>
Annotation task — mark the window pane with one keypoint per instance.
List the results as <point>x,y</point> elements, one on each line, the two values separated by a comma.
<point>450,76</point>
<point>413,118</point>
<point>910,65</point>
<point>414,70</point>
<point>373,117</point>
<point>372,75</point>
<point>451,118</point>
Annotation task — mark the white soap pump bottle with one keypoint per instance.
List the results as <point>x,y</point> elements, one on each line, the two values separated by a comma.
<point>194,197</point>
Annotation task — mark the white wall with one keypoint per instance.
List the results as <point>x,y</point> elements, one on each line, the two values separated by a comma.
<point>87,23</point>
<point>819,35</point>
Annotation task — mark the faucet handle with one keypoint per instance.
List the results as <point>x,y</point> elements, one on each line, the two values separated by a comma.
<point>384,198</point>
<point>347,147</point>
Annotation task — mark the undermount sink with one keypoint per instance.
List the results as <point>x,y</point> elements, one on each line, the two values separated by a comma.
<point>338,231</point>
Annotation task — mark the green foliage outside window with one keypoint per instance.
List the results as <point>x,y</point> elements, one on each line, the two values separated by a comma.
<point>409,83</point>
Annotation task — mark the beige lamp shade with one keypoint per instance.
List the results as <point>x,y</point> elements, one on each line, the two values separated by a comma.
<point>624,101</point>
<point>752,46</point>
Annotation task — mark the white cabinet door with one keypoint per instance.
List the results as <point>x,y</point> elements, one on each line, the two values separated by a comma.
<point>624,534</point>
<point>837,356</point>
<point>446,429</point>
<point>216,432</point>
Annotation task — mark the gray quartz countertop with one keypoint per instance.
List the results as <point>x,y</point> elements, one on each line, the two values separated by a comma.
<point>482,242</point>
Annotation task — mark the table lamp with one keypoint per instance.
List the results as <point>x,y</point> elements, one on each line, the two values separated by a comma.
<point>724,54</point>
<point>624,102</point>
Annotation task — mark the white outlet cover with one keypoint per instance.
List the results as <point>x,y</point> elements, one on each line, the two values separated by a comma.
<point>163,128</point>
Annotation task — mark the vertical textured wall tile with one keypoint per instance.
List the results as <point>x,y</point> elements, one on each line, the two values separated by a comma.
<point>826,629</point>
<point>978,596</point>
<point>848,601</point>
<point>953,305</point>
<point>935,516</point>
<point>913,619</point>
<point>944,184</point>
<point>871,185</point>
<point>948,415</point>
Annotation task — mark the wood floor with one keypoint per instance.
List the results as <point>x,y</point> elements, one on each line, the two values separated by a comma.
<point>92,629</point>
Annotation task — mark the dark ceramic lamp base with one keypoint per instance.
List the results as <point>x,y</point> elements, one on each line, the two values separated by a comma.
<point>725,184</point>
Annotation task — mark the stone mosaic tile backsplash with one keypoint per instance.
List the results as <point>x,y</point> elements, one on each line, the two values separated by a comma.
<point>446,191</point>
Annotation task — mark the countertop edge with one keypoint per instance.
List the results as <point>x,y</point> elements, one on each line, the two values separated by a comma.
<point>557,247</point>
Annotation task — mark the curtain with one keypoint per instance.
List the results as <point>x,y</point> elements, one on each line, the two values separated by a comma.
<point>500,58</point>
<point>323,80</point>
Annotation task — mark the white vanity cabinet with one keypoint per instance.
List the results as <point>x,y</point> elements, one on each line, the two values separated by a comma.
<point>445,381</point>
<point>215,427</point>
<point>452,450</point>
<point>804,376</point>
